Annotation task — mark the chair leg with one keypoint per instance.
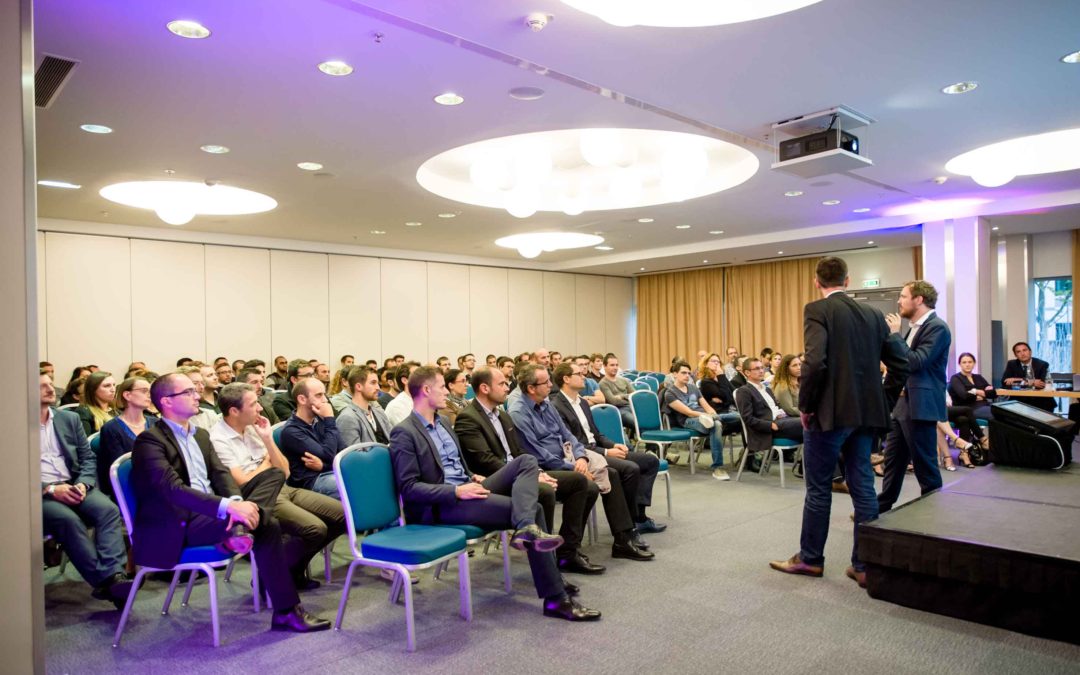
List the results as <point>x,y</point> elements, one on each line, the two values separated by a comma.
<point>396,588</point>
<point>594,531</point>
<point>63,562</point>
<point>506,561</point>
<point>667,484</point>
<point>780,458</point>
<point>172,590</point>
<point>327,552</point>
<point>345,594</point>
<point>464,586</point>
<point>410,625</point>
<point>742,463</point>
<point>127,607</point>
<point>438,571</point>
<point>190,587</point>
<point>214,620</point>
<point>229,569</point>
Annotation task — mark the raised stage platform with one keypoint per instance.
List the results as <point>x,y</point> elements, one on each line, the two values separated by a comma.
<point>1000,546</point>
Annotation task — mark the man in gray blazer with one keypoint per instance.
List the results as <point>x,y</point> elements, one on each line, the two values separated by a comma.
<point>363,420</point>
<point>70,504</point>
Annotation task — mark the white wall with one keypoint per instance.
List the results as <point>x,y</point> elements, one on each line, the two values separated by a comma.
<point>1051,254</point>
<point>893,266</point>
<point>111,300</point>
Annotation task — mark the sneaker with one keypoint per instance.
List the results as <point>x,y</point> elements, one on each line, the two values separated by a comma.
<point>389,575</point>
<point>672,458</point>
<point>706,421</point>
<point>720,474</point>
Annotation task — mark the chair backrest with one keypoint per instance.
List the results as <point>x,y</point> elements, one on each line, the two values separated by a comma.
<point>652,382</point>
<point>275,431</point>
<point>469,393</point>
<point>641,385</point>
<point>646,409</point>
<point>365,480</point>
<point>609,422</point>
<point>69,406</point>
<point>95,442</point>
<point>120,477</point>
<point>735,396</point>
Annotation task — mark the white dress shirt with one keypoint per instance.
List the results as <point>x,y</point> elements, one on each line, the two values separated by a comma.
<point>245,452</point>
<point>575,403</point>
<point>777,412</point>
<point>400,408</point>
<point>53,467</point>
<point>916,325</point>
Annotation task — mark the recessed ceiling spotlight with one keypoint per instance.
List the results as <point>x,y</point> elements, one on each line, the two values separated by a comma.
<point>449,98</point>
<point>58,184</point>
<point>642,269</point>
<point>188,29</point>
<point>526,93</point>
<point>413,223</point>
<point>96,128</point>
<point>177,202</point>
<point>378,232</point>
<point>1071,58</point>
<point>995,228</point>
<point>309,166</point>
<point>682,227</point>
<point>645,220</point>
<point>870,243</point>
<point>793,193</point>
<point>335,68</point>
<point>448,215</point>
<point>779,253</point>
<point>705,261</point>
<point>940,180</point>
<point>860,210</point>
<point>998,163</point>
<point>604,248</point>
<point>716,231</point>
<point>830,202</point>
<point>683,13</point>
<point>960,88</point>
<point>214,149</point>
<point>532,244</point>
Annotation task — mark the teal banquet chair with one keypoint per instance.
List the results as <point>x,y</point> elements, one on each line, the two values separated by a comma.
<point>609,422</point>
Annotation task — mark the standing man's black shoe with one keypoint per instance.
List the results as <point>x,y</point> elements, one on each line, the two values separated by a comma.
<point>570,609</point>
<point>532,538</point>
<point>298,620</point>
<point>578,562</point>
<point>628,551</point>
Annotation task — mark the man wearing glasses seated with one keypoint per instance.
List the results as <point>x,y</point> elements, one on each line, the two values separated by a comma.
<point>764,419</point>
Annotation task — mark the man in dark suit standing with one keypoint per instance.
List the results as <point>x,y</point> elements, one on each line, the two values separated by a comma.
<point>842,403</point>
<point>489,442</point>
<point>437,487</point>
<point>1026,372</point>
<point>186,497</point>
<point>913,434</point>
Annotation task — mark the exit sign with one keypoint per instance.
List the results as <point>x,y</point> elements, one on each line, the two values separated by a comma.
<point>871,283</point>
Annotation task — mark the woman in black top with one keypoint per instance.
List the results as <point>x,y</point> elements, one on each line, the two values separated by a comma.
<point>971,395</point>
<point>715,387</point>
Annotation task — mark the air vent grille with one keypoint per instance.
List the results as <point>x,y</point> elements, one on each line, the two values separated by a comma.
<point>51,76</point>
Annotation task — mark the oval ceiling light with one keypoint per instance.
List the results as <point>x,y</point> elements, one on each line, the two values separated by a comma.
<point>449,98</point>
<point>309,166</point>
<point>448,215</point>
<point>1074,57</point>
<point>682,227</point>
<point>830,202</point>
<point>716,231</point>
<point>378,232</point>
<point>861,210</point>
<point>998,163</point>
<point>177,202</point>
<point>96,128</point>
<point>214,149</point>
<point>188,29</point>
<point>532,244</point>
<point>578,170</point>
<point>604,248</point>
<point>58,184</point>
<point>684,13</point>
<point>645,220</point>
<point>526,93</point>
<point>413,223</point>
<point>335,68</point>
<point>793,193</point>
<point>960,88</point>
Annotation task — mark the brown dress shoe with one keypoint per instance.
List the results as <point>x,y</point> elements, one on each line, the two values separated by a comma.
<point>858,577</point>
<point>795,565</point>
<point>840,486</point>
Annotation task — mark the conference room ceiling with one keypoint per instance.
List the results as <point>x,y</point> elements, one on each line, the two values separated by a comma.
<point>253,86</point>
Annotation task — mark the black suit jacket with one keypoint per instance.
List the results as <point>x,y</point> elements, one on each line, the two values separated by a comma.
<point>164,498</point>
<point>480,443</point>
<point>70,436</point>
<point>841,383</point>
<point>756,415</point>
<point>566,411</point>
<point>1013,368</point>
<point>418,470</point>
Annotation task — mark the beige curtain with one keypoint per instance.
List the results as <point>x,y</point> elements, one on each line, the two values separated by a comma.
<point>916,258</point>
<point>677,314</point>
<point>764,305</point>
<point>1076,301</point>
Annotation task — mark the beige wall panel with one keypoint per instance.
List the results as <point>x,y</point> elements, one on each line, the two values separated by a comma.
<point>300,296</point>
<point>525,311</point>
<point>43,331</point>
<point>590,296</point>
<point>560,320</point>
<point>88,308</point>
<point>619,321</point>
<point>355,309</point>
<point>167,274</point>
<point>404,309</point>
<point>238,303</point>
<point>489,325</point>
<point>448,311</point>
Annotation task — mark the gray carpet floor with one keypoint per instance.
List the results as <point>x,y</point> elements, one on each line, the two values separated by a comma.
<point>708,603</point>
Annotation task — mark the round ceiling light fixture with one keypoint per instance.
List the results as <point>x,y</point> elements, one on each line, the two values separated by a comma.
<point>1072,57</point>
<point>960,88</point>
<point>526,93</point>
<point>449,98</point>
<point>309,166</point>
<point>793,193</point>
<point>532,244</point>
<point>177,202</point>
<point>188,29</point>
<point>96,128</point>
<point>335,68</point>
<point>684,13</point>
<point>214,149</point>
<point>998,163</point>
<point>578,170</point>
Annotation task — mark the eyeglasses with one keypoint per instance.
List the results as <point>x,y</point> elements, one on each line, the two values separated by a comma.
<point>758,368</point>
<point>141,390</point>
<point>186,392</point>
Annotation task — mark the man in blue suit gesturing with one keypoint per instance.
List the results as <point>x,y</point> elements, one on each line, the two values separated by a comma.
<point>913,434</point>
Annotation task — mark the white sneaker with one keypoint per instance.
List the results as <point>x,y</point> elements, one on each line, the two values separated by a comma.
<point>706,421</point>
<point>720,474</point>
<point>389,575</point>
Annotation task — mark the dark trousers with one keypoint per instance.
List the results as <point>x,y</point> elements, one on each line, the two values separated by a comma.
<point>310,521</point>
<point>270,553</point>
<point>617,506</point>
<point>578,495</point>
<point>97,558</point>
<point>638,474</point>
<point>790,428</point>
<point>512,504</point>
<point>821,451</point>
<point>913,441</point>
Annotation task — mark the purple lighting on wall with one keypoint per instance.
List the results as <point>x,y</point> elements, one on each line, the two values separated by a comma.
<point>938,209</point>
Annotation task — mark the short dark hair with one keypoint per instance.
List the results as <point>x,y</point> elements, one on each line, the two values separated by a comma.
<point>1013,350</point>
<point>452,375</point>
<point>43,364</point>
<point>609,356</point>
<point>159,386</point>
<point>499,362</point>
<point>831,272</point>
<point>182,361</point>
<point>527,378</point>
<point>398,356</point>
<point>295,365</point>
<point>241,378</point>
<point>359,376</point>
<point>562,371</point>
<point>232,396</point>
<point>968,354</point>
<point>402,373</point>
<point>679,365</point>
<point>254,363</point>
<point>347,356</point>
<point>420,377</point>
<point>481,375</point>
<point>925,290</point>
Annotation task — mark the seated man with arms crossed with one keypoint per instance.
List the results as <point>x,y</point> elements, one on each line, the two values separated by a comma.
<point>363,421</point>
<point>436,486</point>
<point>489,442</point>
<point>763,417</point>
<point>542,434</point>
<point>186,497</point>
<point>310,440</point>
<point>617,390</point>
<point>245,446</point>
<point>637,470</point>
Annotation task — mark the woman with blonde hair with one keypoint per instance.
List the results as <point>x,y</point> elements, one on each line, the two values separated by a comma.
<point>96,408</point>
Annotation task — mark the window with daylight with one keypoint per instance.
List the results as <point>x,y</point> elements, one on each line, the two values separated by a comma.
<point>1051,322</point>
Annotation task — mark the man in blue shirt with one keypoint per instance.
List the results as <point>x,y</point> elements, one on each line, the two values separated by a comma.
<point>543,434</point>
<point>310,439</point>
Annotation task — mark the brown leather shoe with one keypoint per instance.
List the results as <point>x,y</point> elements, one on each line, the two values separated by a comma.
<point>795,565</point>
<point>857,577</point>
<point>840,486</point>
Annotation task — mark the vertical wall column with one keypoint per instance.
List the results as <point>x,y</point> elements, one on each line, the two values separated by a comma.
<point>956,260</point>
<point>22,622</point>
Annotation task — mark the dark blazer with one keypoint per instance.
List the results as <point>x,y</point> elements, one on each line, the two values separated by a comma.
<point>418,470</point>
<point>757,416</point>
<point>1013,368</point>
<point>841,384</point>
<point>927,360</point>
<point>80,461</point>
<point>959,386</point>
<point>737,381</point>
<point>480,445</point>
<point>164,498</point>
<point>566,411</point>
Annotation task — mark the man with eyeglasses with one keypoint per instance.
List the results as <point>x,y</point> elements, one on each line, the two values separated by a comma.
<point>284,404</point>
<point>542,433</point>
<point>764,419</point>
<point>185,497</point>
